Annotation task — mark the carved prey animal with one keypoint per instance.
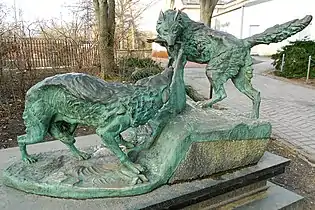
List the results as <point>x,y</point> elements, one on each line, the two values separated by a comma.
<point>58,104</point>
<point>226,56</point>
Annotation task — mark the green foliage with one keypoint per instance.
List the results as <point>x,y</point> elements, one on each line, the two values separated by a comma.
<point>133,68</point>
<point>296,59</point>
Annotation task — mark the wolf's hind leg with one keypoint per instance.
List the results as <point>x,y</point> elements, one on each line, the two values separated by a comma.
<point>35,133</point>
<point>109,134</point>
<point>64,131</point>
<point>243,83</point>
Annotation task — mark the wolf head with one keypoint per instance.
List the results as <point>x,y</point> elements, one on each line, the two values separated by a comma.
<point>169,26</point>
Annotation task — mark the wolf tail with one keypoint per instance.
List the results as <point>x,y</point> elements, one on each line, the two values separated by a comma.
<point>279,33</point>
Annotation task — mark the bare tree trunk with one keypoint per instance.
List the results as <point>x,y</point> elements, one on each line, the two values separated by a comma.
<point>206,10</point>
<point>105,16</point>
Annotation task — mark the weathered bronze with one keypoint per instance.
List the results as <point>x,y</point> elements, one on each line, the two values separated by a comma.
<point>226,56</point>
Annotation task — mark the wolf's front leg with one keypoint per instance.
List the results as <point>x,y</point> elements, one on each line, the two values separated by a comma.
<point>64,132</point>
<point>109,134</point>
<point>219,95</point>
<point>157,125</point>
<point>217,79</point>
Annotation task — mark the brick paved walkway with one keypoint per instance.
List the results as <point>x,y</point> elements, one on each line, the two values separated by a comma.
<point>289,107</point>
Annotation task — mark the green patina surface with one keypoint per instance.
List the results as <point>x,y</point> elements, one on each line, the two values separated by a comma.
<point>61,175</point>
<point>56,105</point>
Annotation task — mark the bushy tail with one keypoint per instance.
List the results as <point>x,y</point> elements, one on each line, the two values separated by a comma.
<point>279,33</point>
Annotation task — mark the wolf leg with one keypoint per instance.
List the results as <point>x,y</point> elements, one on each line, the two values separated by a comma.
<point>243,83</point>
<point>209,76</point>
<point>109,134</point>
<point>219,91</point>
<point>23,140</point>
<point>64,131</point>
<point>120,140</point>
<point>35,133</point>
<point>223,67</point>
<point>157,125</point>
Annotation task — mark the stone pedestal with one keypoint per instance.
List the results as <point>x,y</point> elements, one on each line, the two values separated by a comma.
<point>194,145</point>
<point>244,189</point>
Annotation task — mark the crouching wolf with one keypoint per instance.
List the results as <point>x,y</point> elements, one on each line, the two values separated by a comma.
<point>58,104</point>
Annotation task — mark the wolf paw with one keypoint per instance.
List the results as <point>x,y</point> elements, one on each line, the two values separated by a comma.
<point>140,178</point>
<point>128,145</point>
<point>135,178</point>
<point>135,168</point>
<point>29,159</point>
<point>204,104</point>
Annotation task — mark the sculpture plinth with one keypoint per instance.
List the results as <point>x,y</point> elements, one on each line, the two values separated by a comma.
<point>224,141</point>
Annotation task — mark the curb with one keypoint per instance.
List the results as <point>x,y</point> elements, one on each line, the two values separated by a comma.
<point>307,157</point>
<point>267,74</point>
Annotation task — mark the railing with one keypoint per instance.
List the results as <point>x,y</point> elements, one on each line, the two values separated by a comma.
<point>310,60</point>
<point>26,61</point>
<point>36,53</point>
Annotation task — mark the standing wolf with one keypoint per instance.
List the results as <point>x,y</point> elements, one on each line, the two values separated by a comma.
<point>226,56</point>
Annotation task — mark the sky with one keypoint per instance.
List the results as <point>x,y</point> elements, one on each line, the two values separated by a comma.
<point>47,9</point>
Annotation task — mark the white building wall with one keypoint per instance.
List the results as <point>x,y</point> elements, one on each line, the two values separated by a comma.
<point>229,22</point>
<point>259,17</point>
<point>265,15</point>
<point>193,14</point>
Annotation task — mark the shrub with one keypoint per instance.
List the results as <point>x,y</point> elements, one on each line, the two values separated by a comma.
<point>133,62</point>
<point>140,73</point>
<point>133,68</point>
<point>296,59</point>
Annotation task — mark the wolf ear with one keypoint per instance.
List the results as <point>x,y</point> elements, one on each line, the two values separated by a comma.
<point>161,16</point>
<point>177,14</point>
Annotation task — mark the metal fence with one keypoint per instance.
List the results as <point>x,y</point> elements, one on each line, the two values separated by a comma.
<point>26,61</point>
<point>36,53</point>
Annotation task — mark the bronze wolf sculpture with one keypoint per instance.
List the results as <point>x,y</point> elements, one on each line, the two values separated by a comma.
<point>226,56</point>
<point>58,104</point>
